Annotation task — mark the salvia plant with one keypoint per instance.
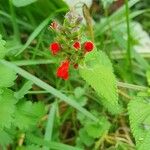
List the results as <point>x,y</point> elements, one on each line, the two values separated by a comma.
<point>69,44</point>
<point>73,99</point>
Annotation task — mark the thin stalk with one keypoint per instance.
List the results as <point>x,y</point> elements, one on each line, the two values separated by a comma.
<point>14,22</point>
<point>131,86</point>
<point>129,59</point>
<point>119,84</point>
<point>32,62</point>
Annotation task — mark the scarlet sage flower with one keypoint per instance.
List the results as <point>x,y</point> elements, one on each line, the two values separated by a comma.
<point>63,70</point>
<point>55,48</point>
<point>88,46</point>
<point>76,45</point>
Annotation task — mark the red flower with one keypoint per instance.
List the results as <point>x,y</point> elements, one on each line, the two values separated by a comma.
<point>63,70</point>
<point>55,48</point>
<point>54,25</point>
<point>88,46</point>
<point>76,45</point>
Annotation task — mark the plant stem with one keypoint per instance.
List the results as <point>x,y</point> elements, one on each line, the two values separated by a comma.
<point>131,86</point>
<point>14,23</point>
<point>32,62</point>
<point>129,59</point>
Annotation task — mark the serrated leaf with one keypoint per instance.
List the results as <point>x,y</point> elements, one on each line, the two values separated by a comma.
<point>97,130</point>
<point>7,76</point>
<point>85,138</point>
<point>2,48</point>
<point>21,3</point>
<point>28,114</point>
<point>98,72</point>
<point>139,111</point>
<point>5,139</point>
<point>79,92</point>
<point>7,107</point>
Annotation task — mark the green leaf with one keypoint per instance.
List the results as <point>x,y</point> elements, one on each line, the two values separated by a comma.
<point>20,3</point>
<point>139,116</point>
<point>99,129</point>
<point>2,48</point>
<point>79,92</point>
<point>97,71</point>
<point>7,107</point>
<point>5,139</point>
<point>28,114</point>
<point>7,76</point>
<point>85,138</point>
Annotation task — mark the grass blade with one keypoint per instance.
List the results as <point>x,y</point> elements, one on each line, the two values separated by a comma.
<point>50,124</point>
<point>53,145</point>
<point>36,32</point>
<point>32,62</point>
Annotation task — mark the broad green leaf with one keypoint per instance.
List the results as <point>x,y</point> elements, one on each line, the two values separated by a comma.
<point>5,139</point>
<point>139,116</point>
<point>145,145</point>
<point>2,48</point>
<point>20,3</point>
<point>97,71</point>
<point>7,76</point>
<point>28,114</point>
<point>97,130</point>
<point>7,107</point>
<point>79,92</point>
<point>85,138</point>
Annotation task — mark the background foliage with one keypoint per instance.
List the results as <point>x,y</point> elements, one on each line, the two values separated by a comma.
<point>104,105</point>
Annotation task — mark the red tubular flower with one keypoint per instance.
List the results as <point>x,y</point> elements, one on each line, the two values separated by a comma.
<point>63,70</point>
<point>54,25</point>
<point>76,45</point>
<point>88,46</point>
<point>55,48</point>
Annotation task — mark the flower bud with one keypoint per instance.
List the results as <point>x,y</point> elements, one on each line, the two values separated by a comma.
<point>55,48</point>
<point>88,46</point>
<point>76,45</point>
<point>54,25</point>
